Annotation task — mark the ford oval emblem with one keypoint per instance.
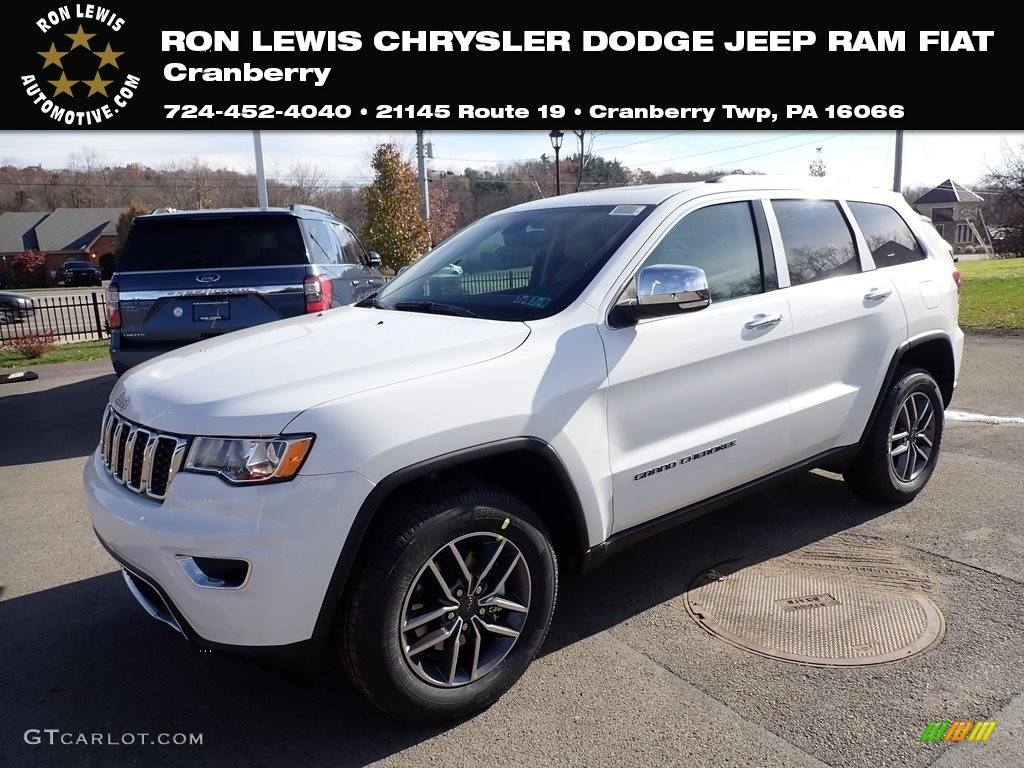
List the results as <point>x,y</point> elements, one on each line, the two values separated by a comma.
<point>207,277</point>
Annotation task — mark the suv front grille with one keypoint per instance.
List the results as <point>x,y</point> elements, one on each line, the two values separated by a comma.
<point>141,459</point>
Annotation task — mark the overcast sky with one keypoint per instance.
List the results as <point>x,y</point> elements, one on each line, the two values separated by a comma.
<point>862,156</point>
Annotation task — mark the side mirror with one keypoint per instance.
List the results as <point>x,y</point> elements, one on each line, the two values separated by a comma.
<point>664,289</point>
<point>375,260</point>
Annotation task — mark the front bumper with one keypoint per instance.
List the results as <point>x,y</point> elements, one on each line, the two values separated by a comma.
<point>290,533</point>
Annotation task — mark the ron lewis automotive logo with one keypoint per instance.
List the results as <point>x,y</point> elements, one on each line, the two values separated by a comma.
<point>79,75</point>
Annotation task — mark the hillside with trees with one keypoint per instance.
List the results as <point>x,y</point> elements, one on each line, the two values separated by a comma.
<point>456,199</point>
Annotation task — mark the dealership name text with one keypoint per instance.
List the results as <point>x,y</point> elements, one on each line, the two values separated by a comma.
<point>529,41</point>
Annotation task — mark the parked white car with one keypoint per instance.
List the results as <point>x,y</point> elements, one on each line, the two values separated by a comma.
<point>407,474</point>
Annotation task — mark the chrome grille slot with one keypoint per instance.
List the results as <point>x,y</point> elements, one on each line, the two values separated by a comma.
<point>142,460</point>
<point>121,433</point>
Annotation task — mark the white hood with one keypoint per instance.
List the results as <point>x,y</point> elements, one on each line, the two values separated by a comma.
<point>253,382</point>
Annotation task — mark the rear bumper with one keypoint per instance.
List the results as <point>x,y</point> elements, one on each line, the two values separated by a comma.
<point>124,358</point>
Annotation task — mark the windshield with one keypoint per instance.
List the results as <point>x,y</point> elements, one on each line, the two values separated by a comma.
<point>77,265</point>
<point>521,265</point>
<point>204,242</point>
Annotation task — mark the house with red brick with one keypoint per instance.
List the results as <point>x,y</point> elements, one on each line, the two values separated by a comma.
<point>66,234</point>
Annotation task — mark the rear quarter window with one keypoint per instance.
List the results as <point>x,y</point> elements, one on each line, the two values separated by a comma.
<point>889,238</point>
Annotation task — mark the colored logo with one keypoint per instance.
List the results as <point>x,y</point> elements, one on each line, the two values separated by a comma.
<point>958,730</point>
<point>78,76</point>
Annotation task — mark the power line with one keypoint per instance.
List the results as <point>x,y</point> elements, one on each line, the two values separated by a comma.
<point>778,151</point>
<point>643,141</point>
<point>723,149</point>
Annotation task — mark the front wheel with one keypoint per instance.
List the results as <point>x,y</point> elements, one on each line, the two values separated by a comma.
<point>902,448</point>
<point>449,606</point>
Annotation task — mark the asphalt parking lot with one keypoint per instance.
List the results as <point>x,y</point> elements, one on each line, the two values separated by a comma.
<point>627,676</point>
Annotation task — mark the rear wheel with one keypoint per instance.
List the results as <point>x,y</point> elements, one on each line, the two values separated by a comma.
<point>902,448</point>
<point>7,314</point>
<point>449,606</point>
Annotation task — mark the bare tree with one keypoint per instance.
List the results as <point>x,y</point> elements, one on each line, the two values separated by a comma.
<point>1005,203</point>
<point>308,184</point>
<point>584,154</point>
<point>191,186</point>
<point>51,192</point>
<point>87,183</point>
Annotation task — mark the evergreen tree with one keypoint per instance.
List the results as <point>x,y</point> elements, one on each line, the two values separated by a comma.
<point>393,225</point>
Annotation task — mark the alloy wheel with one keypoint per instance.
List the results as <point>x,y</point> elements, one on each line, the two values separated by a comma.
<point>912,437</point>
<point>465,609</point>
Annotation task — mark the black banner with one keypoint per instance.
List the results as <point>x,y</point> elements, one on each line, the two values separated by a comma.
<point>181,66</point>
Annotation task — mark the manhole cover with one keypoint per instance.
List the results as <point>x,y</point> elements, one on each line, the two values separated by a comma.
<point>844,603</point>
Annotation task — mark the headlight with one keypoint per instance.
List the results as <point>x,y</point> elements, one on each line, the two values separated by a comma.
<point>255,460</point>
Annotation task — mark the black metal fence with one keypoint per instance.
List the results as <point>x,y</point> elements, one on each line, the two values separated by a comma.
<point>487,282</point>
<point>83,317</point>
<point>80,317</point>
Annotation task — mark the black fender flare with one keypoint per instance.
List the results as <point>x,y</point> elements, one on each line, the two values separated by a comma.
<point>890,373</point>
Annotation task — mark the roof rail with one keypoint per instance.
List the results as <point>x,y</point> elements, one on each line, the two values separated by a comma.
<point>303,207</point>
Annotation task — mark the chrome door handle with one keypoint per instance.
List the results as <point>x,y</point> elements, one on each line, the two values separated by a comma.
<point>877,294</point>
<point>760,322</point>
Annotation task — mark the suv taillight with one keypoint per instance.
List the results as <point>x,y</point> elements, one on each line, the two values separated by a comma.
<point>957,280</point>
<point>113,306</point>
<point>319,292</point>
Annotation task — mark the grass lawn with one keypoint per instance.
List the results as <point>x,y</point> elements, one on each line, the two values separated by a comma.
<point>993,293</point>
<point>65,353</point>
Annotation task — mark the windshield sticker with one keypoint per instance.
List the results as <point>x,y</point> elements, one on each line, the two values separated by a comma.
<point>532,301</point>
<point>626,210</point>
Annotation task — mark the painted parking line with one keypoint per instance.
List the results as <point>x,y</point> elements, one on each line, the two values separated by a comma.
<point>981,418</point>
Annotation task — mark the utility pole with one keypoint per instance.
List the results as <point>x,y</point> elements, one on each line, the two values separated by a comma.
<point>421,160</point>
<point>261,177</point>
<point>897,176</point>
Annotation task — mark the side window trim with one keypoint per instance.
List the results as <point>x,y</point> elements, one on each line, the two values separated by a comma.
<point>860,242</point>
<point>765,251</point>
<point>778,249</point>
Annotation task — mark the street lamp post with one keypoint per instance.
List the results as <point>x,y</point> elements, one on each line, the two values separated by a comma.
<point>556,143</point>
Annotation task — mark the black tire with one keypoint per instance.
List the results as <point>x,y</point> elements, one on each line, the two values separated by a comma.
<point>878,476</point>
<point>374,646</point>
<point>8,315</point>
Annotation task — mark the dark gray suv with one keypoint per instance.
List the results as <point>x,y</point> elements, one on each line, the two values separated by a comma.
<point>185,276</point>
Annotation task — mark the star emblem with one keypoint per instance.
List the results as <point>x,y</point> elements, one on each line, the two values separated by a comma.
<point>80,38</point>
<point>97,85</point>
<point>109,57</point>
<point>63,85</point>
<point>53,56</point>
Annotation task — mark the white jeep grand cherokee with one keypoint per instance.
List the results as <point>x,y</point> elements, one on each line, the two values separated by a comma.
<point>398,480</point>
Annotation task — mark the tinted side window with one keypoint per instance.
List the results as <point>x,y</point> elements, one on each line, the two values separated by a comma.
<point>721,240</point>
<point>325,249</point>
<point>356,249</point>
<point>351,253</point>
<point>889,238</point>
<point>817,239</point>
